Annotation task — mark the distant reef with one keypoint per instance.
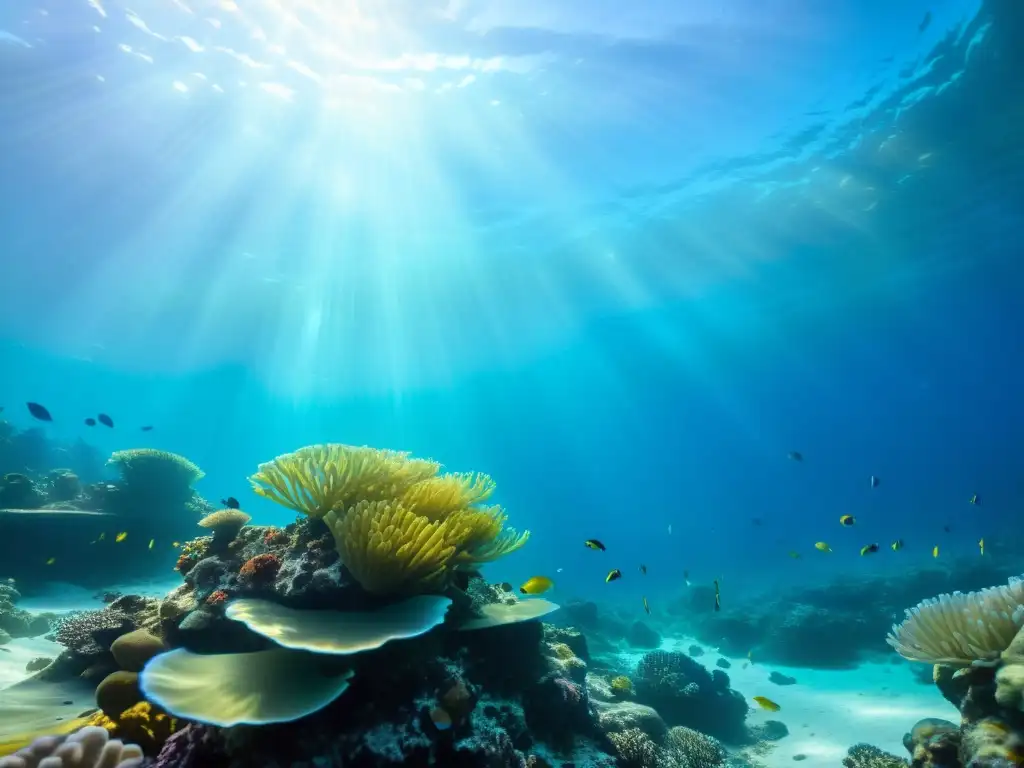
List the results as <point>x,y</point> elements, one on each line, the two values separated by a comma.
<point>66,515</point>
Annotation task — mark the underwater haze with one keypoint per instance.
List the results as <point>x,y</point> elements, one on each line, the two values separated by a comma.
<point>732,289</point>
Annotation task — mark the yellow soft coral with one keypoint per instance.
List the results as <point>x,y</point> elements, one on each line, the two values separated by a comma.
<point>440,496</point>
<point>318,478</point>
<point>389,549</point>
<point>141,724</point>
<point>621,686</point>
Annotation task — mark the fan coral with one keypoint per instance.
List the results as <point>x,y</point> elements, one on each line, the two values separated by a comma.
<point>318,478</point>
<point>621,686</point>
<point>959,629</point>
<point>694,749</point>
<point>261,569</point>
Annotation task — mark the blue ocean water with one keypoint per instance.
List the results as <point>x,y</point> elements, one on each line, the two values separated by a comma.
<point>623,259</point>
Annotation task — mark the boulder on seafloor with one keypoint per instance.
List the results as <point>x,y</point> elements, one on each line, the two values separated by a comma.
<point>685,693</point>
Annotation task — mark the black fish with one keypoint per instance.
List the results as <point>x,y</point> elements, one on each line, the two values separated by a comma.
<point>147,429</point>
<point>105,420</point>
<point>39,412</point>
<point>796,456</point>
<point>643,569</point>
<point>90,422</point>
<point>594,544</point>
<point>230,502</point>
<point>925,22</point>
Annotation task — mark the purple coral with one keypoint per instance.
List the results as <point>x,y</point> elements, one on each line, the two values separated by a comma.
<point>571,692</point>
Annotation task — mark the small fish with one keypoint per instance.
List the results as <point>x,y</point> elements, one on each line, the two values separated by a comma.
<point>121,537</point>
<point>795,555</point>
<point>537,585</point>
<point>175,544</point>
<point>51,561</point>
<point>975,499</point>
<point>147,428</point>
<point>90,422</point>
<point>670,529</point>
<point>39,412</point>
<point>613,575</point>
<point>897,545</point>
<point>947,529</point>
<point>821,546</point>
<point>874,481</point>
<point>847,520</point>
<point>151,543</point>
<point>647,606</point>
<point>981,545</point>
<point>102,536</point>
<point>767,704</point>
<point>795,456</point>
<point>105,420</point>
<point>870,549</point>
<point>230,502</point>
<point>935,551</point>
<point>559,570</point>
<point>750,655</point>
<point>594,544</point>
<point>686,577</point>
<point>756,521</point>
<point>925,22</point>
<point>718,597</point>
<point>643,569</point>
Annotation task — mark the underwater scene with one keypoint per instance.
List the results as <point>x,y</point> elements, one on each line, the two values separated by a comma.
<point>491,384</point>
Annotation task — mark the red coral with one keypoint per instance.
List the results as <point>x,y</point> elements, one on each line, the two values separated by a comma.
<point>185,564</point>
<point>275,537</point>
<point>216,598</point>
<point>262,568</point>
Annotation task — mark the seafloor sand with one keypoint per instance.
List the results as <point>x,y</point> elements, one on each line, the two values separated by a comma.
<point>826,711</point>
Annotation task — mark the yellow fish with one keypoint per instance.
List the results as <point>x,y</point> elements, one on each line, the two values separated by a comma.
<point>897,545</point>
<point>151,543</point>
<point>821,546</point>
<point>767,704</point>
<point>847,520</point>
<point>975,500</point>
<point>51,561</point>
<point>175,544</point>
<point>121,537</point>
<point>981,545</point>
<point>538,585</point>
<point>935,551</point>
<point>868,549</point>
<point>613,575</point>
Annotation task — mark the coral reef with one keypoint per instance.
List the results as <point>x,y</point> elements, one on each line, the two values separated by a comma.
<point>867,756</point>
<point>15,622</point>
<point>685,693</point>
<point>975,644</point>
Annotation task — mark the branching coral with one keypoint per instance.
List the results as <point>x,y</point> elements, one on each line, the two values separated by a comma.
<point>635,748</point>
<point>398,525</point>
<point>866,756</point>
<point>959,629</point>
<point>318,478</point>
<point>694,749</point>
